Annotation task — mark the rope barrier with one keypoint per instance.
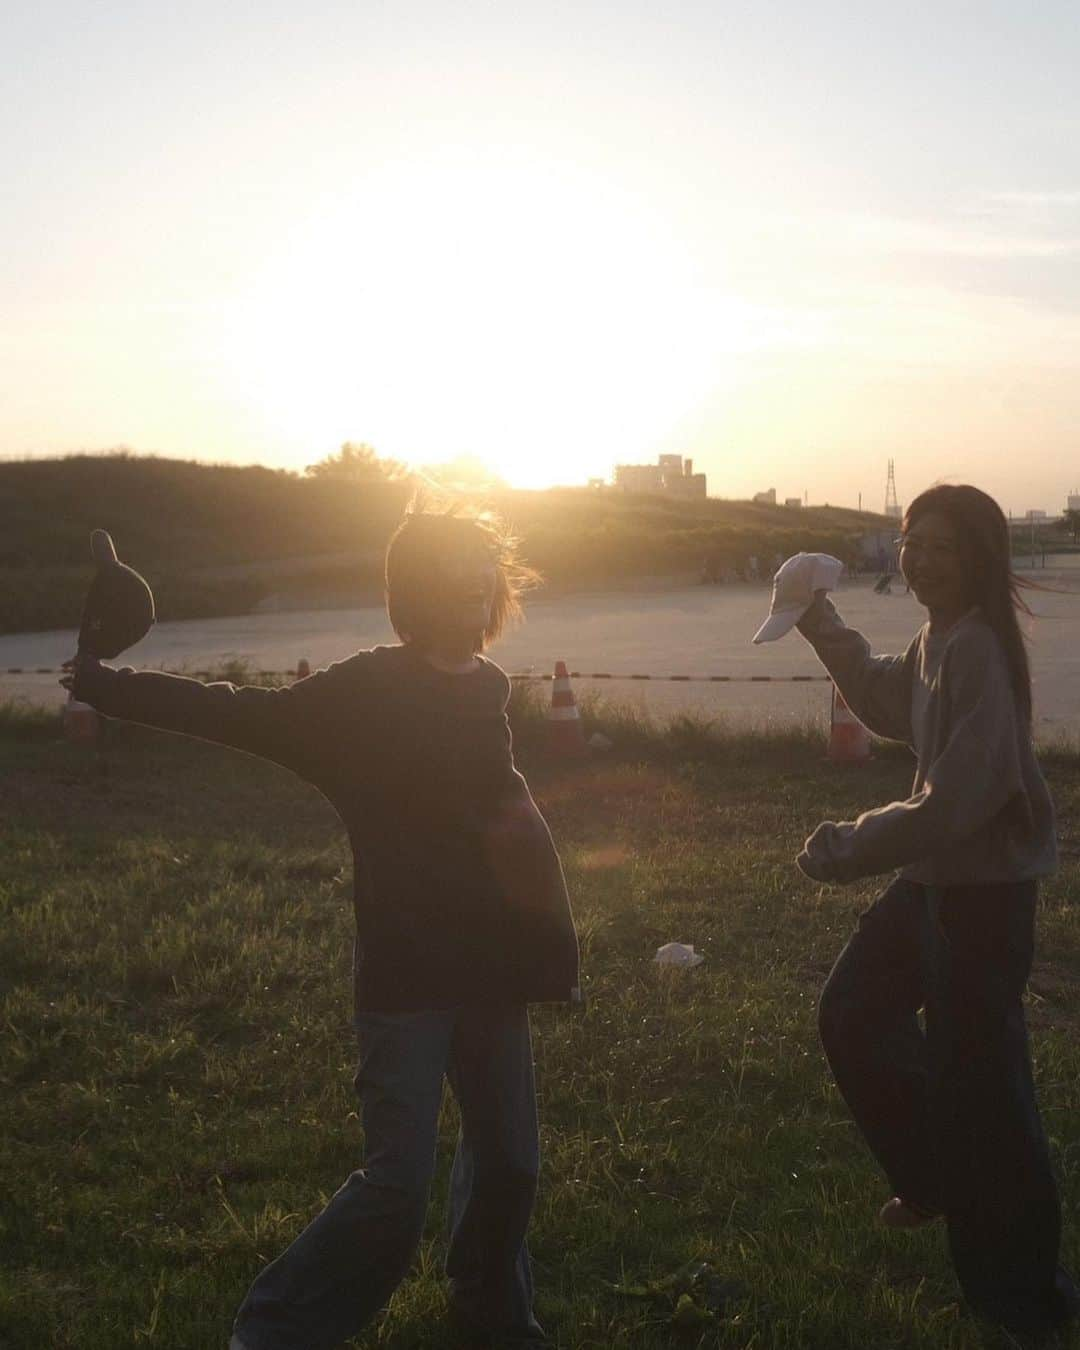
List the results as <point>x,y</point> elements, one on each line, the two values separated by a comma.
<point>518,675</point>
<point>189,674</point>
<point>684,679</point>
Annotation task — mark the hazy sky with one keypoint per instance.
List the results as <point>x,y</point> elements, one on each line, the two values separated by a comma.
<point>791,240</point>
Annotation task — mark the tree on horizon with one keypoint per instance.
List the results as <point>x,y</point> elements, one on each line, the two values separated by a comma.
<point>358,462</point>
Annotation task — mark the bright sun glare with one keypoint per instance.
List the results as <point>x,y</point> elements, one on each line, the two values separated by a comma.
<point>531,316</point>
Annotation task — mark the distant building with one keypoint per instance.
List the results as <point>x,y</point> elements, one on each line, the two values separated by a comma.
<point>670,476</point>
<point>639,477</point>
<point>1036,515</point>
<point>793,501</point>
<point>766,498</point>
<point>1073,502</point>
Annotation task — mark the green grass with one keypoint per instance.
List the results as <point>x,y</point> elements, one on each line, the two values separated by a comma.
<point>176,1057</point>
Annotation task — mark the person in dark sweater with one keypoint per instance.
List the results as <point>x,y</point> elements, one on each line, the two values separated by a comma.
<point>462,919</point>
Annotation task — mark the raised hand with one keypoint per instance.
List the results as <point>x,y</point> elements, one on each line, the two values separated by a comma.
<point>80,661</point>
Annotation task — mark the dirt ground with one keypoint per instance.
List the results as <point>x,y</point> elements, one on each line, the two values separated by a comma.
<point>683,630</point>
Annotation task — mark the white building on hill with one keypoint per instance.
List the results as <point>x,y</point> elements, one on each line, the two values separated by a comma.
<point>670,476</point>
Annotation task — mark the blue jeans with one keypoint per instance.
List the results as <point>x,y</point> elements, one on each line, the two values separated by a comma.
<point>950,1113</point>
<point>345,1265</point>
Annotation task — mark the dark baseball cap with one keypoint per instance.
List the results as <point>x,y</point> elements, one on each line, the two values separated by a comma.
<point>119,608</point>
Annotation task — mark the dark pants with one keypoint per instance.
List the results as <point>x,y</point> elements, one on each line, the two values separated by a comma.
<point>951,1114</point>
<point>348,1261</point>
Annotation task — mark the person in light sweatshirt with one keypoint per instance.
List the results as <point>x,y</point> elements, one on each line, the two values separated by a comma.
<point>949,1112</point>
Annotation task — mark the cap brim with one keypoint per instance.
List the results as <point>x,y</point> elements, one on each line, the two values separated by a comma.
<point>777,625</point>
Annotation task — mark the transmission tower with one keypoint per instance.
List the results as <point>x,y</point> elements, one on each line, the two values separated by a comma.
<point>892,506</point>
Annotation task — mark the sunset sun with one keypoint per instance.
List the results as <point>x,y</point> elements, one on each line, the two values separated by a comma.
<point>541,323</point>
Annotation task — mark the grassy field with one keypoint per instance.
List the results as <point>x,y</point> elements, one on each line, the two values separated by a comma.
<point>176,1055</point>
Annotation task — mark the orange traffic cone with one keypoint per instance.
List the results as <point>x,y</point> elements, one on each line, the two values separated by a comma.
<point>303,668</point>
<point>566,739</point>
<point>849,740</point>
<point>80,722</point>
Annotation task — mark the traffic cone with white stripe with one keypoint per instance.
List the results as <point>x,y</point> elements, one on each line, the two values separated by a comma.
<point>849,740</point>
<point>566,739</point>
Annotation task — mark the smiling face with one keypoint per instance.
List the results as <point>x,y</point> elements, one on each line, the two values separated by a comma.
<point>933,561</point>
<point>467,592</point>
<point>453,583</point>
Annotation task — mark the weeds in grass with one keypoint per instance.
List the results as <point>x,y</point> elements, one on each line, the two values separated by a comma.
<point>20,720</point>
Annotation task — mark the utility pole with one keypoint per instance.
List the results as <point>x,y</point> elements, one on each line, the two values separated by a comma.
<point>892,506</point>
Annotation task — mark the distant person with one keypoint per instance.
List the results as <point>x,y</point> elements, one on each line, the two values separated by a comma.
<point>950,1114</point>
<point>462,919</point>
<point>712,567</point>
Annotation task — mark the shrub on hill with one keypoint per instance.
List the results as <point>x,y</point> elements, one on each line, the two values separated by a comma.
<point>205,534</point>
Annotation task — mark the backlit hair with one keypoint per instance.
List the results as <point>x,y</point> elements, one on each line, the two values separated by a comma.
<point>982,533</point>
<point>416,561</point>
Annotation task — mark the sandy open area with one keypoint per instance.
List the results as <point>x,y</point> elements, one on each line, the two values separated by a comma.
<point>696,631</point>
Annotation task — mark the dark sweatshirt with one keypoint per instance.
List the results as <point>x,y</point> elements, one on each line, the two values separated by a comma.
<point>458,891</point>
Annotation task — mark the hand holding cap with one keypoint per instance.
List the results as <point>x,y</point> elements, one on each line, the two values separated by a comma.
<point>794,587</point>
<point>119,607</point>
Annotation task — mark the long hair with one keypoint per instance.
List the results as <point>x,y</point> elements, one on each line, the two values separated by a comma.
<point>416,558</point>
<point>983,534</point>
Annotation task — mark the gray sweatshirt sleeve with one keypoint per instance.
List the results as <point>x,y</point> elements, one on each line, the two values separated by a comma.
<point>877,689</point>
<point>975,776</point>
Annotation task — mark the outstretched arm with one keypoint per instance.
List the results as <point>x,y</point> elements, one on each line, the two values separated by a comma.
<point>283,724</point>
<point>877,689</point>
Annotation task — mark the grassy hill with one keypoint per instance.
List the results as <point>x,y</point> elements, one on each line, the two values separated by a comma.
<point>215,539</point>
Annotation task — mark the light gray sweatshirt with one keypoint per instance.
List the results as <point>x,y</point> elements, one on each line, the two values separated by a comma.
<point>979,810</point>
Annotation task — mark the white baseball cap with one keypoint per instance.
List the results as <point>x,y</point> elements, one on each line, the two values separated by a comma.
<point>793,591</point>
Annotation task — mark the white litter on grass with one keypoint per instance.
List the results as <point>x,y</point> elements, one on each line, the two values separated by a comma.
<point>598,741</point>
<point>678,954</point>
